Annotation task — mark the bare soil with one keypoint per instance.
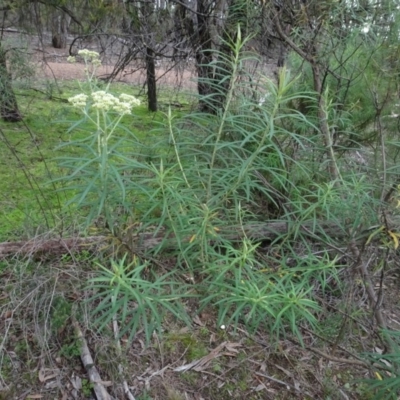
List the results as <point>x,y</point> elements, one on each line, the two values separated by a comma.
<point>62,70</point>
<point>53,64</point>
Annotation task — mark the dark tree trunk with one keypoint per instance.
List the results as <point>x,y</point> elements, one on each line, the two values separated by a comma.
<point>151,80</point>
<point>236,16</point>
<point>204,58</point>
<point>213,84</point>
<point>8,103</point>
<point>59,41</point>
<point>59,30</point>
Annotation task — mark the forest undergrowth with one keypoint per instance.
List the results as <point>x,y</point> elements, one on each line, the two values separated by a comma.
<point>247,252</point>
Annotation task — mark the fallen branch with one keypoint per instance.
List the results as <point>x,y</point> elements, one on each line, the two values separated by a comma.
<point>36,247</point>
<point>267,231</point>
<point>87,361</point>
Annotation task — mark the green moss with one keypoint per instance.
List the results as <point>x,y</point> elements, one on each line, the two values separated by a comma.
<point>71,350</point>
<point>61,312</point>
<point>194,348</point>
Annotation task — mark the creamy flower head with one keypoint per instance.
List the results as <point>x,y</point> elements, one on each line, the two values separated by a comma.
<point>122,108</point>
<point>90,55</point>
<point>96,62</point>
<point>132,100</point>
<point>79,100</point>
<point>71,59</point>
<point>103,100</point>
<point>106,101</point>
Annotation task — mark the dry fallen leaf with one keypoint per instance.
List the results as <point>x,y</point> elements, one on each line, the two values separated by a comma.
<point>34,396</point>
<point>45,374</point>
<point>232,347</point>
<point>201,364</point>
<point>76,382</point>
<point>288,373</point>
<point>213,338</point>
<point>260,387</point>
<point>263,367</point>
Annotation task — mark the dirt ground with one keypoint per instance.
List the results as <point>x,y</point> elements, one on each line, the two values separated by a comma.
<point>66,71</point>
<point>53,64</point>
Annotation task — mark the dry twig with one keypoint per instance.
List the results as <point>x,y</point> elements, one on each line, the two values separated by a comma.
<point>87,361</point>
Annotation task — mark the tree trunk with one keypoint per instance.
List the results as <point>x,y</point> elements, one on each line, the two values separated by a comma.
<point>8,103</point>
<point>212,83</point>
<point>151,80</point>
<point>236,17</point>
<point>59,30</point>
<point>204,58</point>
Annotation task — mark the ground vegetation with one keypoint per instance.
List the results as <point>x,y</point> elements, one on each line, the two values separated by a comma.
<point>239,241</point>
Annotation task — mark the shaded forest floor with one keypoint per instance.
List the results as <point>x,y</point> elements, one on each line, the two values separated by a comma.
<point>41,298</point>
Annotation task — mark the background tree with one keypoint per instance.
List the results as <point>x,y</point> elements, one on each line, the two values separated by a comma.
<point>342,59</point>
<point>25,14</point>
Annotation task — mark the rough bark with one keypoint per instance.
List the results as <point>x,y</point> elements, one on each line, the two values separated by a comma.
<point>89,365</point>
<point>268,231</point>
<point>8,102</point>
<point>36,247</point>
<point>204,58</point>
<point>60,29</point>
<point>151,80</point>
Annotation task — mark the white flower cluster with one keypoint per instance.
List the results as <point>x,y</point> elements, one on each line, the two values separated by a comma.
<point>127,98</point>
<point>103,100</point>
<point>106,102</point>
<point>96,62</point>
<point>89,54</point>
<point>79,100</point>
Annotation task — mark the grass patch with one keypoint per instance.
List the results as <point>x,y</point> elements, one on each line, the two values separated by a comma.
<point>30,203</point>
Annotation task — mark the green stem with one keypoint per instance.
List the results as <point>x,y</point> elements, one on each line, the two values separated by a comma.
<point>229,97</point>
<point>175,148</point>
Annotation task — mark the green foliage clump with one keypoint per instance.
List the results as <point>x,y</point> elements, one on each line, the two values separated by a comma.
<point>201,181</point>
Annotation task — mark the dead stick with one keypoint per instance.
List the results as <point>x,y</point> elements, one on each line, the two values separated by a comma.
<point>87,361</point>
